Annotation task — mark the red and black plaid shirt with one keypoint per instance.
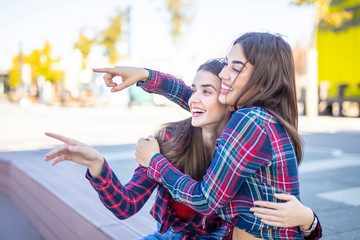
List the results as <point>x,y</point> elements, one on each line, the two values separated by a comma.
<point>126,200</point>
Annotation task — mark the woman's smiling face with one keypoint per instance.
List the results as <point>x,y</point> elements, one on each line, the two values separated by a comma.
<point>234,76</point>
<point>206,110</point>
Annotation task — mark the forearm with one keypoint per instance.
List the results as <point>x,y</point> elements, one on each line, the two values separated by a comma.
<point>96,168</point>
<point>178,184</point>
<point>122,201</point>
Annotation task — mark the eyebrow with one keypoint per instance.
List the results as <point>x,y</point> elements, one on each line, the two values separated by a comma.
<point>204,86</point>
<point>237,62</point>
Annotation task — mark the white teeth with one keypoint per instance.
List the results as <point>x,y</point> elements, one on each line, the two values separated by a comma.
<point>197,110</point>
<point>226,87</point>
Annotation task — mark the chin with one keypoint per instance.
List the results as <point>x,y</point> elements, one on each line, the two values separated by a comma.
<point>222,98</point>
<point>195,124</point>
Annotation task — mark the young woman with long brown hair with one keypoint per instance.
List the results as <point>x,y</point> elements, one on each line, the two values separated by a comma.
<point>188,143</point>
<point>258,152</point>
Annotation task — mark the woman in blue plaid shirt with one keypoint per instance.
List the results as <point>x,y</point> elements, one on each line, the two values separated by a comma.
<point>258,152</point>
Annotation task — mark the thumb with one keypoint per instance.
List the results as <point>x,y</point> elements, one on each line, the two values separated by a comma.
<point>121,86</point>
<point>150,137</point>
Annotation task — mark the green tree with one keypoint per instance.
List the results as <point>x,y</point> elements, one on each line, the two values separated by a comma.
<point>325,16</point>
<point>14,79</point>
<point>42,64</point>
<point>177,9</point>
<point>84,44</point>
<point>111,35</point>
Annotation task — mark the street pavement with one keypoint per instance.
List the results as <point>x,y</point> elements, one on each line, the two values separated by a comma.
<point>329,174</point>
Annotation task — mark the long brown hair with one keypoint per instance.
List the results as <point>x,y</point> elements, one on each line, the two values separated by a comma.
<point>182,144</point>
<point>272,84</point>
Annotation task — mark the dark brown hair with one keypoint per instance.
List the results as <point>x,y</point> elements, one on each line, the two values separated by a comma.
<point>272,84</point>
<point>182,144</point>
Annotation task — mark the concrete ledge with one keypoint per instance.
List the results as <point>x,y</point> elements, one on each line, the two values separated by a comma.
<point>60,202</point>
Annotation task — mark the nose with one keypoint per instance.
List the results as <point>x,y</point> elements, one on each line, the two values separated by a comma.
<point>194,98</point>
<point>224,74</point>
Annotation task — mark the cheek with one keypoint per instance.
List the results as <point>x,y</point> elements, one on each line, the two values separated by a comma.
<point>220,110</point>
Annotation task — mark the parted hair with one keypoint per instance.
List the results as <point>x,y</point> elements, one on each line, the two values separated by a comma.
<point>182,144</point>
<point>272,84</point>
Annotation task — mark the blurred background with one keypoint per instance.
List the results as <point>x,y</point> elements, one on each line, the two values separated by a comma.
<point>48,48</point>
<point>47,52</point>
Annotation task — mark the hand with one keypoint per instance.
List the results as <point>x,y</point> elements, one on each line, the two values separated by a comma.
<point>145,149</point>
<point>129,76</point>
<point>288,214</point>
<point>77,152</point>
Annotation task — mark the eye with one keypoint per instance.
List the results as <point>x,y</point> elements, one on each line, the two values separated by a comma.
<point>239,70</point>
<point>207,92</point>
<point>193,91</point>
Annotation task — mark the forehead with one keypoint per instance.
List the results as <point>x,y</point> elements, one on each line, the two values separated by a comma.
<point>236,53</point>
<point>204,77</point>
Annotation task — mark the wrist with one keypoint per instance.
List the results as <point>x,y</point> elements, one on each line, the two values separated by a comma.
<point>309,219</point>
<point>96,168</point>
<point>310,224</point>
<point>144,75</point>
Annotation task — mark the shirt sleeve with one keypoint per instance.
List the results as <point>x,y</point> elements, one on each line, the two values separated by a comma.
<point>242,149</point>
<point>317,233</point>
<point>168,86</point>
<point>122,201</point>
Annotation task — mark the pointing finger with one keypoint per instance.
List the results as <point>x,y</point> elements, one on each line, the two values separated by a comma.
<point>105,70</point>
<point>61,138</point>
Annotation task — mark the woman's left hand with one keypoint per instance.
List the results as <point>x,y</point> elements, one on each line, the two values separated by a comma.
<point>287,214</point>
<point>145,149</point>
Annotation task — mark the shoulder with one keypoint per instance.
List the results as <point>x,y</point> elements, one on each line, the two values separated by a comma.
<point>248,123</point>
<point>254,115</point>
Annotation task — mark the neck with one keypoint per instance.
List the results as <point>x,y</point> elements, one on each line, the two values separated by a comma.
<point>210,134</point>
<point>209,138</point>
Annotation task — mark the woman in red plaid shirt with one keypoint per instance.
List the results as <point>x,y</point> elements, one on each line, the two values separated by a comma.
<point>189,144</point>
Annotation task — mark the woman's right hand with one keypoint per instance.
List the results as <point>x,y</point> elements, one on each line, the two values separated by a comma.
<point>77,152</point>
<point>129,76</point>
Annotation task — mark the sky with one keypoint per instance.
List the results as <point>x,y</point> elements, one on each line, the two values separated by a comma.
<point>214,24</point>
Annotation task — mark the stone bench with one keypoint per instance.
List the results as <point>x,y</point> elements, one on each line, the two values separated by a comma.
<point>60,202</point>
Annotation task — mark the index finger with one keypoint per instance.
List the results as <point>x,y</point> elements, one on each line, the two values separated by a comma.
<point>105,70</point>
<point>266,204</point>
<point>61,138</point>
